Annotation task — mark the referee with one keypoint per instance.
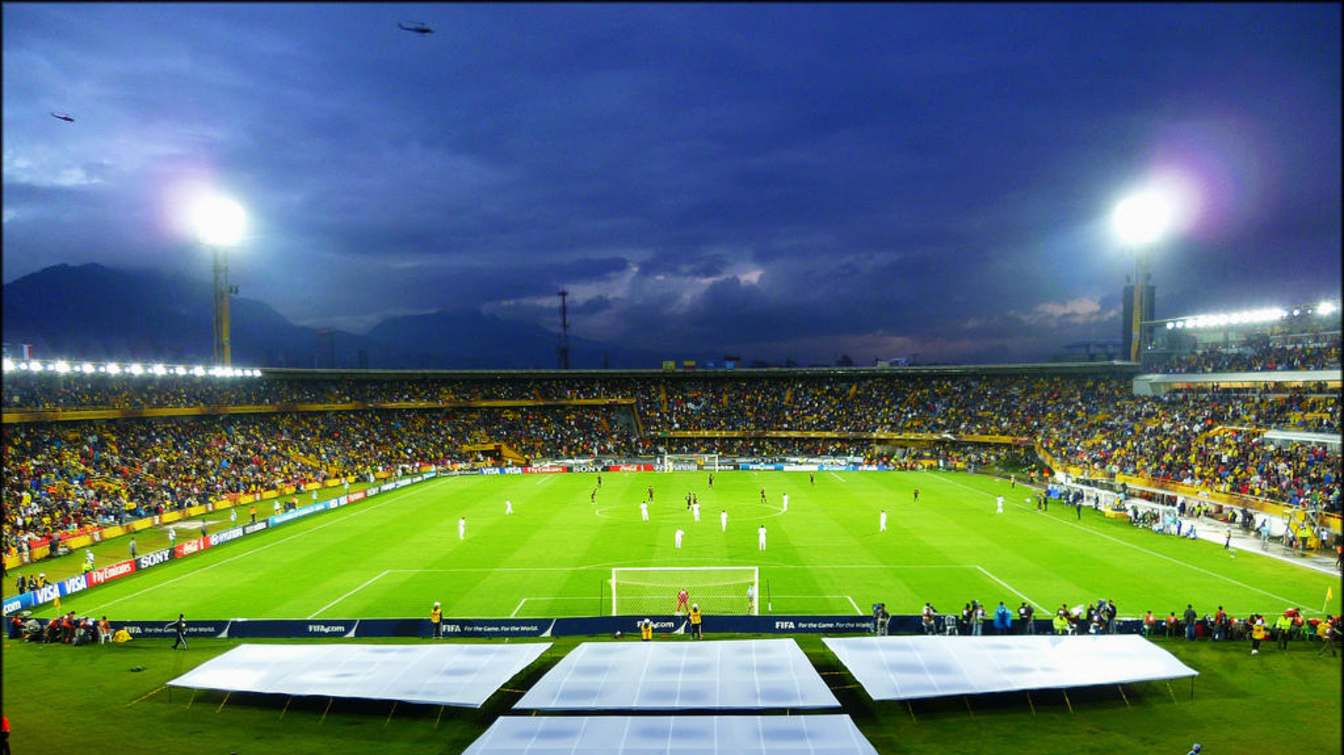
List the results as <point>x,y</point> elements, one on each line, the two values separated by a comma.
<point>180,628</point>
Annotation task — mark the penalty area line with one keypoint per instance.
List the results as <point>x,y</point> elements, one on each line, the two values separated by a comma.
<point>851,600</point>
<point>314,614</point>
<point>1009,587</point>
<point>838,477</point>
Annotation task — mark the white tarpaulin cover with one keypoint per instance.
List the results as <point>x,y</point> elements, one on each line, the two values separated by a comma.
<point>702,675</point>
<point>441,674</point>
<point>673,735</point>
<point>904,668</point>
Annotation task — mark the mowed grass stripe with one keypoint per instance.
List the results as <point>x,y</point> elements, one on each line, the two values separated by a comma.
<point>558,547</point>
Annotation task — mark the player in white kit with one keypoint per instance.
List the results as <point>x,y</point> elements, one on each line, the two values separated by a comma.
<point>462,528</point>
<point>644,510</point>
<point>760,538</point>
<point>695,511</point>
<point>998,502</point>
<point>676,537</point>
<point>723,520</point>
<point>508,506</point>
<point>786,501</point>
<point>882,521</point>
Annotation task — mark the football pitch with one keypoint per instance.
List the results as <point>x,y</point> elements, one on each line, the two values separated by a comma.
<point>397,554</point>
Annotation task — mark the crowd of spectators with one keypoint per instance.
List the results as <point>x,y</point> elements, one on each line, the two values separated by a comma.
<point>1255,355</point>
<point>63,475</point>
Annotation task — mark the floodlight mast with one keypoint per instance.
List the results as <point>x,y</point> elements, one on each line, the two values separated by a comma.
<point>1141,221</point>
<point>219,224</point>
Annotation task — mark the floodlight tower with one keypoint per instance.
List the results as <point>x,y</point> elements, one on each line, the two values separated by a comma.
<point>220,222</point>
<point>1140,221</point>
<point>564,330</point>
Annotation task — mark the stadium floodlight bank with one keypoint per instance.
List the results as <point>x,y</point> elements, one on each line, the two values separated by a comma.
<point>716,589</point>
<point>689,463</point>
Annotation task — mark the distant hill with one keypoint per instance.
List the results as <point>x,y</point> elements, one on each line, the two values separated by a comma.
<point>99,313</point>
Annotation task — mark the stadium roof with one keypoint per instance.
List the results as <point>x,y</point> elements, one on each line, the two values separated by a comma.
<point>1066,368</point>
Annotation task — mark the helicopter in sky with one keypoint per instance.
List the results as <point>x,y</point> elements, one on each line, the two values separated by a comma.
<point>417,27</point>
<point>63,117</point>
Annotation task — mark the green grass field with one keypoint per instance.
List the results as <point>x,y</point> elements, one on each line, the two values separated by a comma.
<point>394,555</point>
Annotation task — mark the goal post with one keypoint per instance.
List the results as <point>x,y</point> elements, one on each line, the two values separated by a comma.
<point>689,463</point>
<point>716,589</point>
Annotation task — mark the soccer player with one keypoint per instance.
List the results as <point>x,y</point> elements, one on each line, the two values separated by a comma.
<point>462,528</point>
<point>760,538</point>
<point>88,555</point>
<point>683,601</point>
<point>172,536</point>
<point>723,520</point>
<point>1227,542</point>
<point>916,495</point>
<point>676,538</point>
<point>277,507</point>
<point>811,478</point>
<point>762,495</point>
<point>882,521</point>
<point>688,501</point>
<point>436,620</point>
<point>180,628</point>
<point>599,481</point>
<point>786,502</point>
<point>1012,480</point>
<point>650,492</point>
<point>998,504</point>
<point>592,498</point>
<point>233,514</point>
<point>695,511</point>
<point>711,480</point>
<point>508,506</point>
<point>697,630</point>
<point>751,598</point>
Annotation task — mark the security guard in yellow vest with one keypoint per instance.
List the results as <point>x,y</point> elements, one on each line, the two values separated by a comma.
<point>436,618</point>
<point>646,631</point>
<point>697,631</point>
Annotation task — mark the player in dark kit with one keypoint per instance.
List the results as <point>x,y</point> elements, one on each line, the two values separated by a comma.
<point>688,501</point>
<point>811,478</point>
<point>593,498</point>
<point>711,479</point>
<point>599,481</point>
<point>916,495</point>
<point>650,492</point>
<point>762,495</point>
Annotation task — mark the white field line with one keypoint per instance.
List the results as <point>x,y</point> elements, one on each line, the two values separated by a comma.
<point>605,566</point>
<point>1010,588</point>
<point>856,605</point>
<point>253,551</point>
<point>517,608</point>
<point>838,477</point>
<point>1201,570</point>
<point>314,614</point>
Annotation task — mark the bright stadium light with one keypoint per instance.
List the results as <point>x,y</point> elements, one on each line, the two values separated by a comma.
<point>1142,219</point>
<point>159,369</point>
<point>179,370</point>
<point>1325,308</point>
<point>35,366</point>
<point>113,368</point>
<point>86,368</point>
<point>198,371</point>
<point>61,367</point>
<point>218,220</point>
<point>136,369</point>
<point>9,364</point>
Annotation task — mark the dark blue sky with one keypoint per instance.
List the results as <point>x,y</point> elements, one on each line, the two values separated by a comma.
<point>766,180</point>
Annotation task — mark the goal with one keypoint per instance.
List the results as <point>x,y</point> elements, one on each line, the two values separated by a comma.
<point>716,589</point>
<point>688,463</point>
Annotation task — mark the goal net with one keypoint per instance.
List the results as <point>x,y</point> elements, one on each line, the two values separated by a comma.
<point>716,589</point>
<point>689,463</point>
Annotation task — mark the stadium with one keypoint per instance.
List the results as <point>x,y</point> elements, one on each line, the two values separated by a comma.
<point>1134,546</point>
